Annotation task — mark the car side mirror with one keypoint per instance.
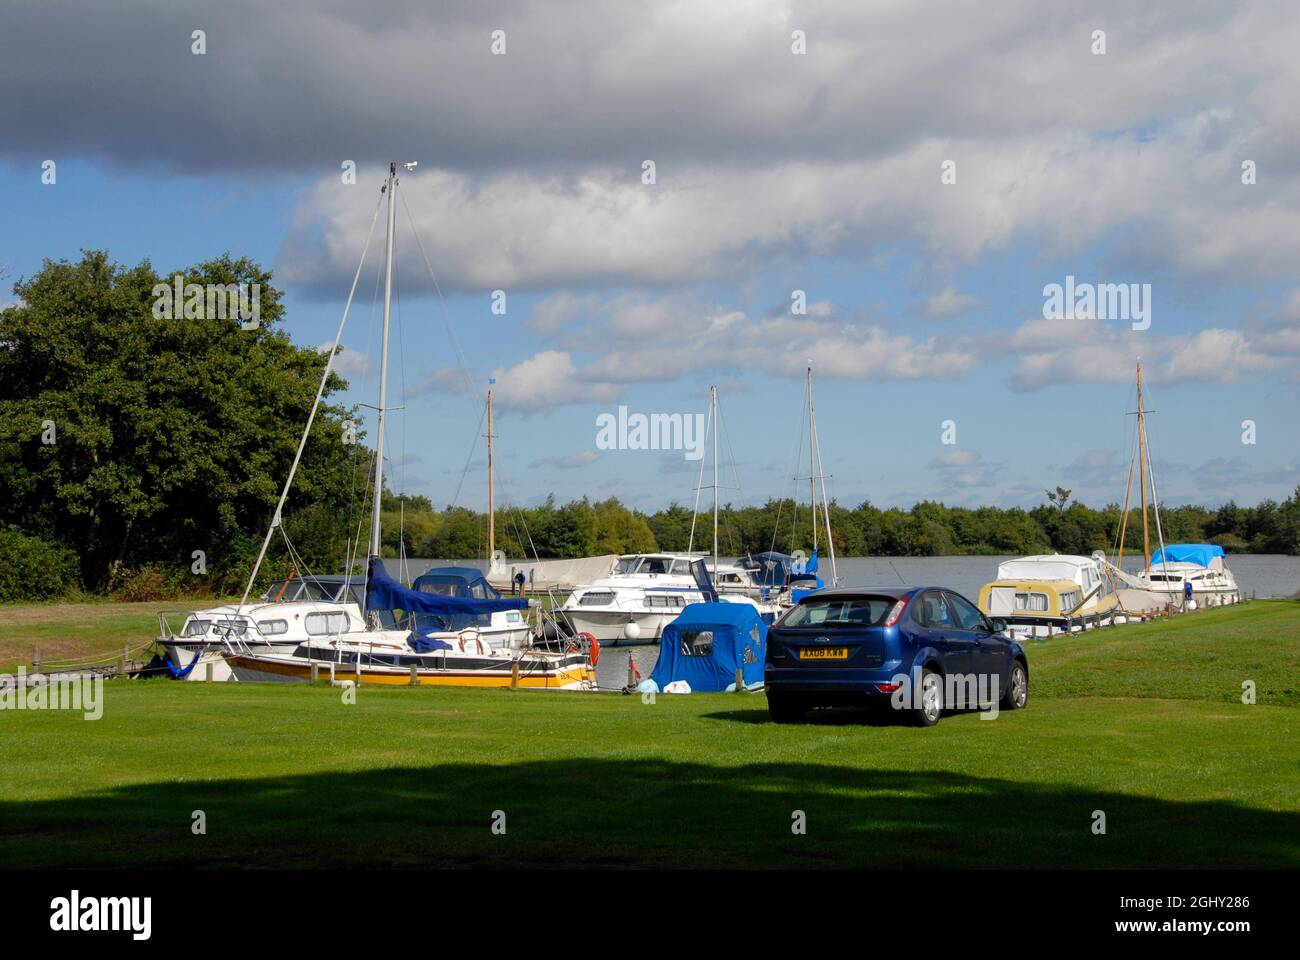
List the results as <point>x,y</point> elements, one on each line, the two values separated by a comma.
<point>999,625</point>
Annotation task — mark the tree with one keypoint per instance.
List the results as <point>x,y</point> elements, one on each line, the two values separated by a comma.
<point>1060,497</point>
<point>134,437</point>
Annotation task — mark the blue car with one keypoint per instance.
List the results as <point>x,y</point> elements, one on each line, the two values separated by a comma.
<point>919,650</point>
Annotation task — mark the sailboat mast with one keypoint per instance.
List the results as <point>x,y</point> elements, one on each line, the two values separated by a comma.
<point>713,394</point>
<point>1142,454</point>
<point>492,503</point>
<point>819,473</point>
<point>812,460</point>
<point>383,366</point>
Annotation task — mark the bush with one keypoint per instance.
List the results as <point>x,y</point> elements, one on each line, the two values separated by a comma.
<point>156,582</point>
<point>33,569</point>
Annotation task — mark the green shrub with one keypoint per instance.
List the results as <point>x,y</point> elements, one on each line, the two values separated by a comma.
<point>33,569</point>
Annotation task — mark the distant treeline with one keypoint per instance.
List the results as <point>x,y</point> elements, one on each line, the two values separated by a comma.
<point>585,528</point>
<point>142,454</point>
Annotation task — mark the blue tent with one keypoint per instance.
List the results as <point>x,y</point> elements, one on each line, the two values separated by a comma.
<point>708,642</point>
<point>1201,554</point>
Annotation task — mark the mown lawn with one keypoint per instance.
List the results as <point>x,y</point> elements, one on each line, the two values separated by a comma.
<point>1144,723</point>
<point>79,631</point>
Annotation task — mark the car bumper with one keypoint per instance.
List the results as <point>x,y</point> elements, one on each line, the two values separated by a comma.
<point>860,682</point>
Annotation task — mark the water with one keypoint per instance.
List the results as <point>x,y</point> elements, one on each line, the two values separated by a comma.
<point>1265,575</point>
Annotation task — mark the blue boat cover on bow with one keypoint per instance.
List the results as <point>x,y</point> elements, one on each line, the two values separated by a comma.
<point>1201,554</point>
<point>385,593</point>
<point>708,642</point>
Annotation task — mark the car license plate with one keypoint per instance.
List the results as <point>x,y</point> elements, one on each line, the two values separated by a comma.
<point>823,653</point>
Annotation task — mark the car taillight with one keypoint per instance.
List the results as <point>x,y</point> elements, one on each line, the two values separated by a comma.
<point>888,687</point>
<point>896,612</point>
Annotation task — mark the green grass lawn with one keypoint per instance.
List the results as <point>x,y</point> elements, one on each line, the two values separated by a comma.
<point>78,631</point>
<point>1143,722</point>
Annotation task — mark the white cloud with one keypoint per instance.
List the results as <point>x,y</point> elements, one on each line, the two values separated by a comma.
<point>348,362</point>
<point>573,461</point>
<point>949,303</point>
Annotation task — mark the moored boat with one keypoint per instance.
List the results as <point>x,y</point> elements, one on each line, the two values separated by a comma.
<point>1043,595</point>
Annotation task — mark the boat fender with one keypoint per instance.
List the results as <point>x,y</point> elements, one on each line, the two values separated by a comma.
<point>593,647</point>
<point>470,635</point>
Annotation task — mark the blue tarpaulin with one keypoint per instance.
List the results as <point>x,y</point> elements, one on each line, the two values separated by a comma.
<point>1199,553</point>
<point>385,593</point>
<point>708,642</point>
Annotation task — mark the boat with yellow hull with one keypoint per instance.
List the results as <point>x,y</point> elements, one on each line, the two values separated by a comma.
<point>531,670</point>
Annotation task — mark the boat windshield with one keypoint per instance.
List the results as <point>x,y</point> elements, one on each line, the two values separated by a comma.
<point>627,565</point>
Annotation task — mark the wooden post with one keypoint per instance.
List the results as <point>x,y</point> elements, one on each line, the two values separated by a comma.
<point>207,672</point>
<point>740,680</point>
<point>415,675</point>
<point>36,659</point>
<point>126,658</point>
<point>358,668</point>
<point>315,671</point>
<point>514,675</point>
<point>631,670</point>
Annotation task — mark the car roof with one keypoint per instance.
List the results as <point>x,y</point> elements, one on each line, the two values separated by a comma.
<point>894,591</point>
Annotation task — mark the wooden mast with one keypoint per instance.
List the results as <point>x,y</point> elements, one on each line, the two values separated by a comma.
<point>492,516</point>
<point>1142,455</point>
<point>812,460</point>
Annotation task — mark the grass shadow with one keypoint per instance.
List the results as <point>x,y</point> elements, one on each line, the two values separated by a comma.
<point>587,812</point>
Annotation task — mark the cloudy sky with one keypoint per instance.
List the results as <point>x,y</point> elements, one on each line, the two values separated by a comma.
<point>918,172</point>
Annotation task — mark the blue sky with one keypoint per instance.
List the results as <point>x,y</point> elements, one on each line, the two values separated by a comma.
<point>925,299</point>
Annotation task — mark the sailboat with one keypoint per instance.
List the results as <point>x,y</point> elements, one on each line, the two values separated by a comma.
<point>1175,577</point>
<point>647,591</point>
<point>402,637</point>
<point>788,577</point>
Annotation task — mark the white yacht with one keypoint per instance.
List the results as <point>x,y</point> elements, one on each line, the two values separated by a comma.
<point>1200,565</point>
<point>297,611</point>
<point>646,592</point>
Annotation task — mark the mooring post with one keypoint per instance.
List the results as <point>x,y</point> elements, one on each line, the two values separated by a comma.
<point>36,659</point>
<point>631,670</point>
<point>415,676</point>
<point>126,657</point>
<point>514,675</point>
<point>740,680</point>
<point>207,672</point>
<point>315,671</point>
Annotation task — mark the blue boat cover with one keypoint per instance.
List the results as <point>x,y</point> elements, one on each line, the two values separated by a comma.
<point>1199,553</point>
<point>708,642</point>
<point>461,581</point>
<point>385,593</point>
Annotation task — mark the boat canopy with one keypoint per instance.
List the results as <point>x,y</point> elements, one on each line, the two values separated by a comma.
<point>466,582</point>
<point>1201,554</point>
<point>385,593</point>
<point>708,643</point>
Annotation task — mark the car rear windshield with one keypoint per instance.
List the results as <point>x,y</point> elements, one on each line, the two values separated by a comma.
<point>839,612</point>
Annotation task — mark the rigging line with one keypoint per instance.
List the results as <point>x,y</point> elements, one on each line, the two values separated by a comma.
<point>732,538</point>
<point>359,463</point>
<point>469,459</point>
<point>699,485</point>
<point>442,303</point>
<point>276,518</point>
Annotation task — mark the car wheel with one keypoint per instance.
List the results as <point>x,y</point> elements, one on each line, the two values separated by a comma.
<point>783,708</point>
<point>930,709</point>
<point>1017,692</point>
